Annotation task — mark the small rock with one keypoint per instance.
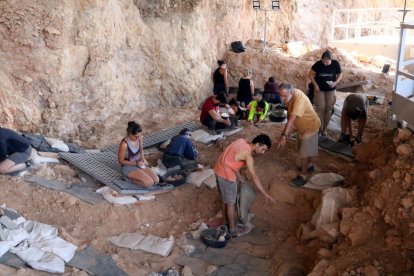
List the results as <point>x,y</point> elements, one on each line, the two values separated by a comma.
<point>52,30</point>
<point>186,271</point>
<point>72,201</point>
<point>403,134</point>
<point>408,178</point>
<point>211,269</point>
<point>369,270</point>
<point>352,272</point>
<point>396,174</point>
<point>404,150</point>
<point>374,174</point>
<point>407,202</point>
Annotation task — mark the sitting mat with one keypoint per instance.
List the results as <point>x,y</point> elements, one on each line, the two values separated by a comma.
<point>330,145</point>
<point>96,263</point>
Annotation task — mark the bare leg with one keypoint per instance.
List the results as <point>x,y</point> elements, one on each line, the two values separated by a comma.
<point>231,216</point>
<point>305,165</point>
<point>8,166</point>
<point>141,178</point>
<point>152,175</point>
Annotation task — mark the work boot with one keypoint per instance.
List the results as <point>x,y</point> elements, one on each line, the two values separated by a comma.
<point>299,181</point>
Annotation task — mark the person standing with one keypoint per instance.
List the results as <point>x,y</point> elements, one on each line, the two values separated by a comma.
<point>15,151</point>
<point>238,154</point>
<point>246,88</point>
<point>325,74</point>
<point>303,117</point>
<point>221,84</point>
<point>355,109</point>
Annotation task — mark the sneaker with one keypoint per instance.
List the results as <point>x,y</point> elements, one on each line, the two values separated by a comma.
<point>311,169</point>
<point>239,230</point>
<point>298,181</point>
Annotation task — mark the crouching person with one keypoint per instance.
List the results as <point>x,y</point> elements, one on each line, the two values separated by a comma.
<point>210,113</point>
<point>15,151</point>
<point>132,160</point>
<point>238,154</point>
<point>181,152</point>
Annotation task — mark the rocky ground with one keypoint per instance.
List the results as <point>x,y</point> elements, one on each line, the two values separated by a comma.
<point>371,236</point>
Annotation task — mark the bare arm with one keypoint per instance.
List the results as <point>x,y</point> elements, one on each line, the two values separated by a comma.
<point>338,79</point>
<point>216,117</point>
<point>345,121</point>
<point>252,87</point>
<point>286,131</point>
<point>255,178</point>
<point>311,76</point>
<point>226,81</point>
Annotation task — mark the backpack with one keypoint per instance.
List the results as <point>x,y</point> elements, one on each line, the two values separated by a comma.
<point>237,47</point>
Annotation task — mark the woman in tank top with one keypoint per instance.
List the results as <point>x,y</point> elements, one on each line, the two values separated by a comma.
<point>221,84</point>
<point>246,88</point>
<point>132,160</point>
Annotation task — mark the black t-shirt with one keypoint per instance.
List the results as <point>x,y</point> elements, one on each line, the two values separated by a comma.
<point>10,142</point>
<point>326,73</point>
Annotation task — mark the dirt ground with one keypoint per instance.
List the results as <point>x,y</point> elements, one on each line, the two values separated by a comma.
<point>387,251</point>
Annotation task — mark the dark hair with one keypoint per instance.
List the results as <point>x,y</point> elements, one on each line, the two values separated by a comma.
<point>261,104</point>
<point>133,128</point>
<point>185,131</point>
<point>286,86</point>
<point>327,55</point>
<point>233,102</point>
<point>272,79</point>
<point>356,113</point>
<point>262,139</point>
<point>220,62</point>
<point>221,98</point>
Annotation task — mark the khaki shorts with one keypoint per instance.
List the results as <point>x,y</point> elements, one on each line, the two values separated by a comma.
<point>227,190</point>
<point>308,145</point>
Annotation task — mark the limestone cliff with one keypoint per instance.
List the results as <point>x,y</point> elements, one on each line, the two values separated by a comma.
<point>73,67</point>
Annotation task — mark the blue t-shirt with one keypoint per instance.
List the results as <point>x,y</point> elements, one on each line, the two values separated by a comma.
<point>11,142</point>
<point>183,147</point>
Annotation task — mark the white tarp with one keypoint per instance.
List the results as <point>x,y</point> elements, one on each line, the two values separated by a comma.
<point>149,243</point>
<point>37,244</point>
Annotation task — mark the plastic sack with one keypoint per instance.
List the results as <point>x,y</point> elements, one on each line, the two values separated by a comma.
<point>322,181</point>
<point>57,144</point>
<point>198,177</point>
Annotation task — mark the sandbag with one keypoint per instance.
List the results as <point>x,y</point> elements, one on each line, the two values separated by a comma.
<point>332,200</point>
<point>322,181</point>
<point>149,243</point>
<point>197,178</point>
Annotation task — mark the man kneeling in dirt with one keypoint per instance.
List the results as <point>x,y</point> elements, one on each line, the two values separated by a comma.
<point>237,155</point>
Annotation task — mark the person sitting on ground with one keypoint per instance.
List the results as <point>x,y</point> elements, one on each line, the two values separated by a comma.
<point>257,111</point>
<point>181,151</point>
<point>303,117</point>
<point>238,154</point>
<point>239,112</point>
<point>221,83</point>
<point>246,88</point>
<point>210,115</point>
<point>15,151</point>
<point>132,159</point>
<point>271,91</point>
<point>355,109</point>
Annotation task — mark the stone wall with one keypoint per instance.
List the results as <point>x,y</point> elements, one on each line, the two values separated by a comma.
<point>71,68</point>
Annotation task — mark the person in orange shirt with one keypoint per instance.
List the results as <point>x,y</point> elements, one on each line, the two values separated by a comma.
<point>303,117</point>
<point>236,156</point>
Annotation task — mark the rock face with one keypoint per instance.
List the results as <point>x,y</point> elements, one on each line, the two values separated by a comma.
<point>74,67</point>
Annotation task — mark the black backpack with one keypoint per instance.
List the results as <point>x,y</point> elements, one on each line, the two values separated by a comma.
<point>237,47</point>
